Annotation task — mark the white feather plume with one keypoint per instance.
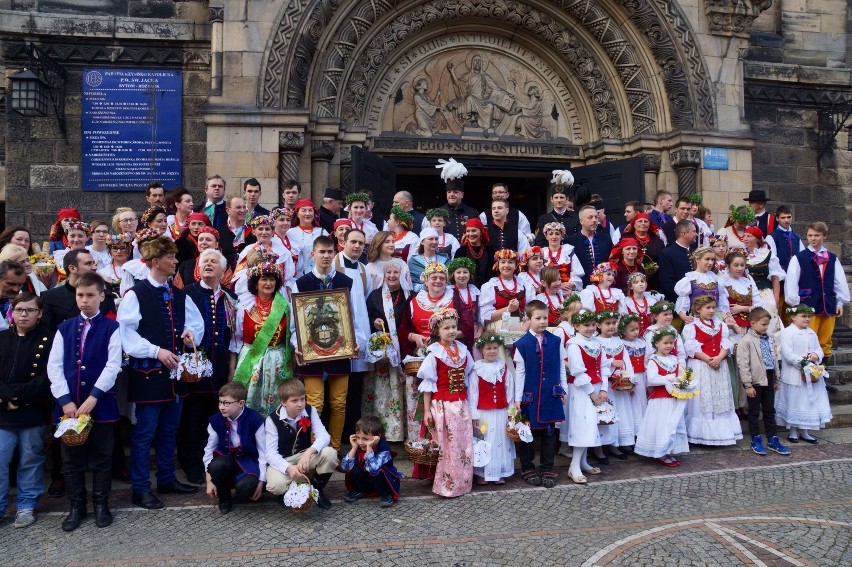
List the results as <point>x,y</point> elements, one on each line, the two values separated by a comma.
<point>562,177</point>
<point>451,169</point>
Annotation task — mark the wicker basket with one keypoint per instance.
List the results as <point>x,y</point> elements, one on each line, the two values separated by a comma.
<point>304,507</point>
<point>74,439</point>
<point>412,367</point>
<point>513,434</point>
<point>189,377</point>
<point>427,455</point>
<point>809,376</point>
<point>623,384</point>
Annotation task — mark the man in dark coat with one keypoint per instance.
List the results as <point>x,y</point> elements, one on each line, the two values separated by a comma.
<point>332,203</point>
<point>674,260</point>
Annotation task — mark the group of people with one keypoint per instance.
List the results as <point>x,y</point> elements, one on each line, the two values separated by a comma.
<point>639,338</point>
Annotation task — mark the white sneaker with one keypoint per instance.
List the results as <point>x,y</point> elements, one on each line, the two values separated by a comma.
<point>24,518</point>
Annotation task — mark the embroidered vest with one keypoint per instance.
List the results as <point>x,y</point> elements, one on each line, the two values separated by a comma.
<point>601,303</point>
<point>541,405</point>
<point>502,297</point>
<point>697,290</point>
<point>492,396</point>
<point>247,425</point>
<point>592,362</point>
<point>787,244</point>
<point>217,336</point>
<point>711,345</point>
<point>656,392</point>
<point>637,358</point>
<point>816,289</point>
<point>291,442</point>
<point>451,386</point>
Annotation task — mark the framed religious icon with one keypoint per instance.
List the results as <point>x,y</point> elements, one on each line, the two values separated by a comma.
<point>324,328</point>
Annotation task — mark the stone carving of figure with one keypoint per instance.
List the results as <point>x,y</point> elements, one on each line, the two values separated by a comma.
<point>428,117</point>
<point>530,122</point>
<point>480,101</point>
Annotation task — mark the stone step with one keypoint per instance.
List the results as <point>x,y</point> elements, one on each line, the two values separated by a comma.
<point>843,395</point>
<point>841,416</point>
<point>840,374</point>
<point>840,356</point>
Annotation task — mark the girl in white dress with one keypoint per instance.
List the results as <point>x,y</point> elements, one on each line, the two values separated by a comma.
<point>639,300</point>
<point>302,235</point>
<point>710,416</point>
<point>588,369</point>
<point>622,368</point>
<point>801,404</point>
<point>532,261</point>
<point>562,257</point>
<point>551,295</point>
<point>634,347</point>
<point>701,281</point>
<point>663,314</point>
<point>663,430</point>
<point>490,393</point>
<point>570,306</point>
<point>600,295</point>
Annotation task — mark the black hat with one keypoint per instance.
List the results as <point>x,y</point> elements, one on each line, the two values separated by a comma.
<point>455,185</point>
<point>756,195</point>
<point>334,193</point>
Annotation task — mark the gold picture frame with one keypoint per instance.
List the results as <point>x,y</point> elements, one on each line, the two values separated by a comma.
<point>324,327</point>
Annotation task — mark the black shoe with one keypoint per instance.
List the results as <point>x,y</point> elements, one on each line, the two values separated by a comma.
<point>177,487</point>
<point>56,488</point>
<point>146,500</point>
<point>195,477</point>
<point>812,440</point>
<point>620,456</point>
<point>323,502</point>
<point>600,460</point>
<point>353,496</point>
<point>225,506</point>
<point>103,517</point>
<point>74,518</point>
<point>386,501</point>
<point>793,439</point>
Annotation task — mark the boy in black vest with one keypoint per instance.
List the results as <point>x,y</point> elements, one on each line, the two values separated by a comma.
<point>235,456</point>
<point>290,455</point>
<point>156,320</point>
<point>84,362</point>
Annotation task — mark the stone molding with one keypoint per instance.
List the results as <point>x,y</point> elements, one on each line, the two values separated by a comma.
<point>216,14</point>
<point>291,141</point>
<point>733,18</point>
<point>132,55</point>
<point>651,163</point>
<point>322,150</point>
<point>684,158</point>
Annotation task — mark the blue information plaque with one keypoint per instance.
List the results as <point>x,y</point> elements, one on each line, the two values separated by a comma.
<point>716,158</point>
<point>131,129</point>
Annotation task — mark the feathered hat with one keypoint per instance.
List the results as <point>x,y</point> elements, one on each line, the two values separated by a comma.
<point>452,172</point>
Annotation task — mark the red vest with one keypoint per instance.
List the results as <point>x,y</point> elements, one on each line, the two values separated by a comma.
<point>638,363</point>
<point>711,345</point>
<point>602,305</point>
<point>492,396</point>
<point>619,356</point>
<point>655,392</point>
<point>502,297</point>
<point>450,383</point>
<point>420,317</point>
<point>592,364</point>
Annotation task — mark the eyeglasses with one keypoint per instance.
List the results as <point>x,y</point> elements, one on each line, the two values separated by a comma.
<point>25,310</point>
<point>228,404</point>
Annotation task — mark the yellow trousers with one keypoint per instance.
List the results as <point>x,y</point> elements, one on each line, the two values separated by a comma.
<point>823,326</point>
<point>338,386</point>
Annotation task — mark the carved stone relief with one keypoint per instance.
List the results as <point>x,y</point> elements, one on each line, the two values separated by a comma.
<point>456,86</point>
<point>733,17</point>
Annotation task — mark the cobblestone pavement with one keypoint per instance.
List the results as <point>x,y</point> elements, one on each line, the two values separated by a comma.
<point>781,514</point>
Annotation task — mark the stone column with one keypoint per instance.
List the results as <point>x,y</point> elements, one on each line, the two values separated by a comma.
<point>685,163</point>
<point>346,168</point>
<point>321,153</point>
<point>651,166</point>
<point>216,15</point>
<point>290,146</point>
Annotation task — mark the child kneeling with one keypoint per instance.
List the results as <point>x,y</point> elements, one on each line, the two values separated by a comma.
<point>369,464</point>
<point>235,453</point>
<point>289,451</point>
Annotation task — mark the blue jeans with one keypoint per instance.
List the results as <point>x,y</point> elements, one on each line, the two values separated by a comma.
<point>155,423</point>
<point>30,475</point>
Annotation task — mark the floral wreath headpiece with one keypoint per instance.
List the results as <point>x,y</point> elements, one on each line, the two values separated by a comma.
<point>360,197</point>
<point>737,250</point>
<point>583,316</point>
<point>529,253</point>
<point>151,213</point>
<point>403,217</point>
<point>661,306</point>
<point>566,303</point>
<point>118,240</point>
<point>598,272</point>
<point>437,212</point>
<point>626,320</point>
<point>505,254</point>
<point>441,316</point>
<point>433,268</point>
<point>487,339</point>
<point>602,316</point>
<point>79,225</point>
<point>259,220</point>
<point>742,214</point>
<point>266,268</point>
<point>279,212</point>
<point>461,262</point>
<point>695,199</point>
<point>801,309</point>
<point>636,276</point>
<point>660,333</point>
<point>553,226</point>
<point>147,235</point>
<point>714,238</point>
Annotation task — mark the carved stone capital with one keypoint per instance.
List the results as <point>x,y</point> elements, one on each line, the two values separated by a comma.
<point>346,154</point>
<point>685,159</point>
<point>733,17</point>
<point>291,141</point>
<point>216,14</point>
<point>651,163</point>
<point>322,149</point>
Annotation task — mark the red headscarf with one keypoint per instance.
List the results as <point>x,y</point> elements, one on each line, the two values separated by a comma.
<point>199,217</point>
<point>616,254</point>
<point>477,224</point>
<point>756,232</point>
<point>56,232</point>
<point>306,203</point>
<point>652,229</point>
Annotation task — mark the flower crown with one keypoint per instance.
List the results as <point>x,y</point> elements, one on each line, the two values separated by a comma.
<point>661,306</point>
<point>553,226</point>
<point>489,338</point>
<point>279,212</point>
<point>118,240</point>
<point>566,303</point>
<point>635,276</point>
<point>695,199</point>
<point>151,213</point>
<point>714,238</point>
<point>403,217</point>
<point>583,316</point>
<point>605,314</point>
<point>737,250</point>
<point>266,268</point>
<point>598,272</point>
<point>529,253</point>
<point>800,309</point>
<point>742,214</point>
<point>360,197</point>
<point>441,316</point>
<point>79,225</point>
<point>626,320</point>
<point>505,254</point>
<point>437,212</point>
<point>147,235</point>
<point>433,268</point>
<point>461,262</point>
<point>261,220</point>
<point>660,333</point>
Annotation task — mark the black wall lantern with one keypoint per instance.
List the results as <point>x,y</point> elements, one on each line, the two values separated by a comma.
<point>39,87</point>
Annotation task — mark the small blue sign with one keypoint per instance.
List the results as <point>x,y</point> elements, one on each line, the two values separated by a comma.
<point>131,129</point>
<point>716,158</point>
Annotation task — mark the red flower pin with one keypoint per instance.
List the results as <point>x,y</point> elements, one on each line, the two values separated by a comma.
<point>304,423</point>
